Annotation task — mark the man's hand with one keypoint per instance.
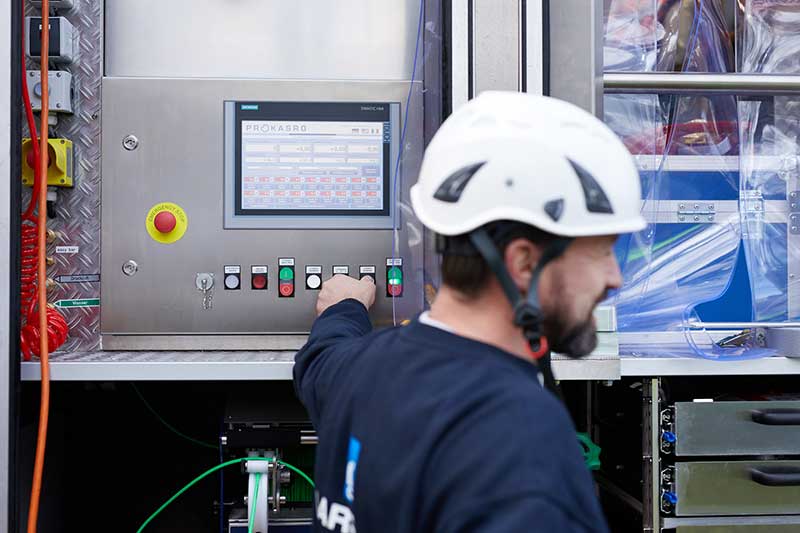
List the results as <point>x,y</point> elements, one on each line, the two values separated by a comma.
<point>341,287</point>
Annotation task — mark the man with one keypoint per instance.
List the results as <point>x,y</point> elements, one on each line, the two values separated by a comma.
<point>443,425</point>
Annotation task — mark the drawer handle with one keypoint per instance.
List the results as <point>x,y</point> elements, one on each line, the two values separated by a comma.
<point>776,476</point>
<point>776,417</point>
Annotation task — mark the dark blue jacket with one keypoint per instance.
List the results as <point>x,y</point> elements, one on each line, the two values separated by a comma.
<point>424,431</point>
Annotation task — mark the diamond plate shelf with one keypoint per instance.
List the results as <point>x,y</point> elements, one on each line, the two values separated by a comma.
<point>165,366</point>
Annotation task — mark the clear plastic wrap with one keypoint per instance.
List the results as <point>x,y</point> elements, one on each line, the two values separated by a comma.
<point>770,132</point>
<point>410,240</point>
<point>632,31</point>
<point>675,266</point>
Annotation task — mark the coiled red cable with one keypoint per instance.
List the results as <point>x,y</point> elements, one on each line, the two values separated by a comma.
<point>29,263</point>
<point>30,336</point>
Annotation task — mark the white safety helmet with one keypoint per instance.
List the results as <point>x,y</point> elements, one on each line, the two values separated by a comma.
<point>531,159</point>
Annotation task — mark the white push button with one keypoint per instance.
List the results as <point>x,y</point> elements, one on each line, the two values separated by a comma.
<point>313,281</point>
<point>232,281</point>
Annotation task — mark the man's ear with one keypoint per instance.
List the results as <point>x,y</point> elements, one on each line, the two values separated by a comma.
<point>521,256</point>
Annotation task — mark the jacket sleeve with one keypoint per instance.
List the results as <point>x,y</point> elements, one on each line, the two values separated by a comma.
<point>332,343</point>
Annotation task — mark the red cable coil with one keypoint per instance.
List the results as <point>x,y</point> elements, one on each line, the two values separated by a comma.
<point>30,336</point>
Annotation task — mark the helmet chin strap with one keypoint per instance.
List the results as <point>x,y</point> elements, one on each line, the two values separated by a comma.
<point>527,312</point>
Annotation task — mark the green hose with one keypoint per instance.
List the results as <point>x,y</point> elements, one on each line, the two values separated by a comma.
<point>214,469</point>
<point>591,451</point>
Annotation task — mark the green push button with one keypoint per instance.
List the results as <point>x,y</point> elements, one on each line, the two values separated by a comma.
<point>395,276</point>
<point>286,273</point>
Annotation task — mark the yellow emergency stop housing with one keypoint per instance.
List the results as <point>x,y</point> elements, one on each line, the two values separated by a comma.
<point>60,169</point>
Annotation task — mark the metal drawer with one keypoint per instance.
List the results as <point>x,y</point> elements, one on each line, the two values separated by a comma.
<point>737,428</point>
<point>785,528</point>
<point>737,488</point>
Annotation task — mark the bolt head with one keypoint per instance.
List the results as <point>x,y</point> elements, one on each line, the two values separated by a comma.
<point>130,267</point>
<point>130,142</point>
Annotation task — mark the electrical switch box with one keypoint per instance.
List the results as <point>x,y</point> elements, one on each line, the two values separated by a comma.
<point>62,42</point>
<point>59,87</point>
<point>60,166</point>
<point>306,177</point>
<point>286,277</point>
<point>394,277</point>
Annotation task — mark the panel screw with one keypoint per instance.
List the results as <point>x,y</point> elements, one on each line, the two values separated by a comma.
<point>696,218</point>
<point>130,267</point>
<point>681,218</point>
<point>681,206</point>
<point>130,142</point>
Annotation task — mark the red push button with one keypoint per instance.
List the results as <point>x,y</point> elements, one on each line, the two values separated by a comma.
<point>165,222</point>
<point>259,281</point>
<point>286,288</point>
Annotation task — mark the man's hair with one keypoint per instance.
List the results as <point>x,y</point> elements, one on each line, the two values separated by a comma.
<point>463,268</point>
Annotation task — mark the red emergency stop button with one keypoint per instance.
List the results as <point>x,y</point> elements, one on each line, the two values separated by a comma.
<point>165,222</point>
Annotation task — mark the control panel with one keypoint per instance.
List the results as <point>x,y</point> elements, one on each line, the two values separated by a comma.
<point>270,189</point>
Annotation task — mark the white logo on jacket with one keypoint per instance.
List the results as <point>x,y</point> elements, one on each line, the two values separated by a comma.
<point>335,515</point>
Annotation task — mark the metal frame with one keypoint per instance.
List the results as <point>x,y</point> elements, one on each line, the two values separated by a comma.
<point>496,45</point>
<point>460,83</point>
<point>10,135</point>
<point>651,463</point>
<point>535,44</point>
<point>278,365</point>
<point>741,521</point>
<point>700,83</point>
<point>577,72</point>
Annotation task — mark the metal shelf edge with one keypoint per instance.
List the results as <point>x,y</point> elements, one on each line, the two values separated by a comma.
<point>685,366</point>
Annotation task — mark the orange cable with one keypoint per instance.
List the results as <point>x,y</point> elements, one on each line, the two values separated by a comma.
<point>44,408</point>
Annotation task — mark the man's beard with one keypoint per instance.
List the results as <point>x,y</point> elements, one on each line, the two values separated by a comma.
<point>577,341</point>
